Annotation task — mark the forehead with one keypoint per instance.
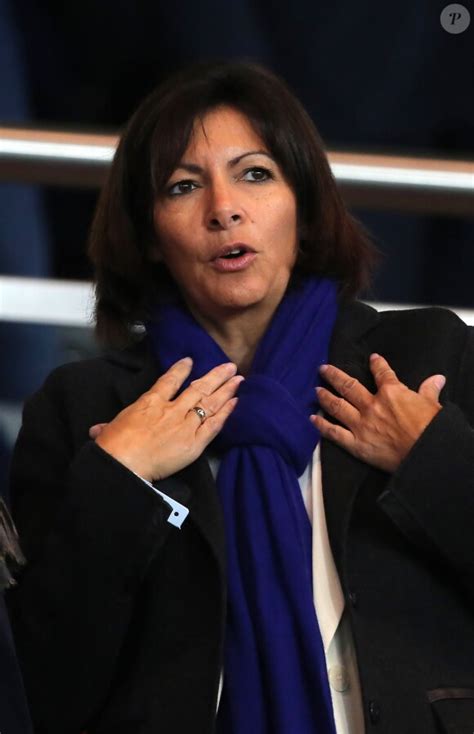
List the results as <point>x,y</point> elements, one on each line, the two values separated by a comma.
<point>223,128</point>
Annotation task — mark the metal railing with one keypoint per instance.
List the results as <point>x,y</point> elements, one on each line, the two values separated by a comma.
<point>70,303</point>
<point>62,158</point>
<point>366,180</point>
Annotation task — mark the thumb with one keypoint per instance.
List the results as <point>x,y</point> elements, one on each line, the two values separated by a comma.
<point>432,386</point>
<point>96,430</point>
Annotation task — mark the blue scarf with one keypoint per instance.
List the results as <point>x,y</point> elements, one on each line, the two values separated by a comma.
<point>275,678</point>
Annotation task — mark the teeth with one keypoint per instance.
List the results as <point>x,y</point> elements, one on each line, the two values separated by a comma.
<point>234,252</point>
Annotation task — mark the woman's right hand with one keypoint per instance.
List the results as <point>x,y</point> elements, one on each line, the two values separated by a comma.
<point>156,436</point>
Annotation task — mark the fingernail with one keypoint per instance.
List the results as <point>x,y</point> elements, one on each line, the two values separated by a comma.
<point>374,355</point>
<point>323,367</point>
<point>186,360</point>
<point>231,366</point>
<point>440,381</point>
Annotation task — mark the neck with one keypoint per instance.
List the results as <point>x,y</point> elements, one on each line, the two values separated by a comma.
<point>237,334</point>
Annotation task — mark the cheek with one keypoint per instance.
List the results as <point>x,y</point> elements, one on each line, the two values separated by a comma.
<point>172,239</point>
<point>170,224</point>
<point>284,225</point>
<point>166,230</point>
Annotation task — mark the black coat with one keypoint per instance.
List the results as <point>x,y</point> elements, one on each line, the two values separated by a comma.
<point>119,617</point>
<point>14,717</point>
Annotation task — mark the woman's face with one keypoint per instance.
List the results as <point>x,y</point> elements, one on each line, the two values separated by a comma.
<point>227,192</point>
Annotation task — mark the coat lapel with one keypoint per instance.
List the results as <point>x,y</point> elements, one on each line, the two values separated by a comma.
<point>194,485</point>
<point>342,474</point>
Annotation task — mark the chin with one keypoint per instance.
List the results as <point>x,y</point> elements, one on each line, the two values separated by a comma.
<point>240,297</point>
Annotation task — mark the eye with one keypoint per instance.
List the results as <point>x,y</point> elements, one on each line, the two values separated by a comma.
<point>181,187</point>
<point>256,174</point>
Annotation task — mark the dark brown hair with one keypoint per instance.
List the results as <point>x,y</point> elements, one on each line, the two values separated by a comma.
<point>332,242</point>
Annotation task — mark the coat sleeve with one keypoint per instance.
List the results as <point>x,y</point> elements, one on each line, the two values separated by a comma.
<point>89,528</point>
<point>431,495</point>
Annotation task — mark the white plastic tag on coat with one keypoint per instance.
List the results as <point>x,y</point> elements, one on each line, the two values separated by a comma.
<point>178,513</point>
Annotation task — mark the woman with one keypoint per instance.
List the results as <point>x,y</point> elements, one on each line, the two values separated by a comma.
<point>168,527</point>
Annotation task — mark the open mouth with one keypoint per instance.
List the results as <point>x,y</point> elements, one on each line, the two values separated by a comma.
<point>233,252</point>
<point>237,252</point>
<point>237,258</point>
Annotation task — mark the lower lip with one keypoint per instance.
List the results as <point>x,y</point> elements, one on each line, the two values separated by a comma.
<point>233,264</point>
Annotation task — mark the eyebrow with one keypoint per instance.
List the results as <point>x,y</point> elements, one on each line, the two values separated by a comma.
<point>194,168</point>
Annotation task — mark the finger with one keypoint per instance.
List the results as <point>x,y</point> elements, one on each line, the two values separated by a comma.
<point>213,425</point>
<point>206,385</point>
<point>338,434</point>
<point>96,430</point>
<point>168,384</point>
<point>213,403</point>
<point>432,386</point>
<point>338,407</point>
<point>381,370</point>
<point>347,386</point>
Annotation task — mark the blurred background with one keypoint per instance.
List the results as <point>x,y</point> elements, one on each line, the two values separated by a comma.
<point>376,78</point>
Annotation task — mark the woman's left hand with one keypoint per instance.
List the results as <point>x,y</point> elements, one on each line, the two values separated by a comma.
<point>381,428</point>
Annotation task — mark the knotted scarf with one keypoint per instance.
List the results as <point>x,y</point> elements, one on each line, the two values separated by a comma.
<point>275,678</point>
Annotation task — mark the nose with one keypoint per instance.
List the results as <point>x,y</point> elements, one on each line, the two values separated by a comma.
<point>224,219</point>
<point>224,210</point>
